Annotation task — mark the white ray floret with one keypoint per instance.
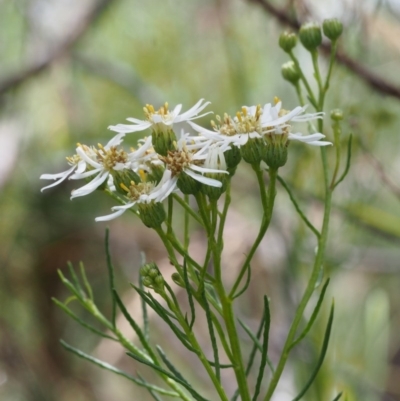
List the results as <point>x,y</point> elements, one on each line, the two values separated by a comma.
<point>162,119</point>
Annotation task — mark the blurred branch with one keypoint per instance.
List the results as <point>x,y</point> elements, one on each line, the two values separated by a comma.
<point>380,169</point>
<point>373,80</point>
<point>76,33</point>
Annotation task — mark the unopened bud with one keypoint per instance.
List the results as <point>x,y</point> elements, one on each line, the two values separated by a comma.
<point>287,41</point>
<point>337,115</point>
<point>187,184</point>
<point>177,279</point>
<point>290,72</point>
<point>152,214</point>
<point>332,28</point>
<point>163,141</point>
<point>310,35</point>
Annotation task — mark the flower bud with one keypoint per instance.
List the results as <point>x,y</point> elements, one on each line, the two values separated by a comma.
<point>310,35</point>
<point>252,151</point>
<point>156,173</point>
<point>276,155</point>
<point>337,115</point>
<point>287,41</point>
<point>177,279</point>
<point>332,28</point>
<point>232,159</point>
<point>152,214</point>
<point>187,184</point>
<point>163,140</point>
<point>214,193</point>
<point>152,278</point>
<point>124,177</point>
<point>290,72</point>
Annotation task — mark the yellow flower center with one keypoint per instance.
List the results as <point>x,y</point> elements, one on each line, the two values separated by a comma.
<point>110,157</point>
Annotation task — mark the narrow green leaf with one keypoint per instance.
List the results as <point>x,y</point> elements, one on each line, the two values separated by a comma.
<point>132,323</point>
<point>153,394</point>
<point>164,314</point>
<point>85,281</point>
<point>111,276</point>
<point>246,285</point>
<point>144,305</point>
<point>115,370</point>
<point>171,366</point>
<point>297,207</point>
<point>348,162</point>
<point>81,322</point>
<point>256,345</point>
<point>337,398</point>
<point>75,278</point>
<point>313,316</point>
<point>189,293</point>
<point>212,335</point>
<point>188,387</point>
<point>322,355</point>
<point>264,354</point>
<point>76,291</point>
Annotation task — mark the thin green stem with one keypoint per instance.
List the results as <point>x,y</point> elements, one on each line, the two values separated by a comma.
<point>315,273</point>
<point>304,80</point>
<point>268,205</point>
<point>317,74</point>
<point>186,234</point>
<point>187,208</point>
<point>193,341</point>
<point>170,213</point>
<point>310,286</point>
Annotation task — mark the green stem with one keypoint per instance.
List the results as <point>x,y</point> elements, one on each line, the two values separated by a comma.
<point>310,286</point>
<point>186,235</point>
<point>268,205</point>
<point>317,74</point>
<point>132,348</point>
<point>193,341</point>
<point>226,303</point>
<point>319,259</point>
<point>170,213</point>
<point>304,80</point>
<point>187,208</point>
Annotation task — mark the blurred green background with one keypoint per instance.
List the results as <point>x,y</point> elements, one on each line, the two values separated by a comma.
<point>70,68</point>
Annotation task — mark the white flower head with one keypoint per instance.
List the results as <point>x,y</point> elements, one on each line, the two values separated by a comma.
<point>102,161</point>
<point>77,164</point>
<point>143,193</point>
<point>162,119</point>
<point>275,121</point>
<point>184,160</point>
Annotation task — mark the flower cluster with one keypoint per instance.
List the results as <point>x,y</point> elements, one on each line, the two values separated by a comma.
<point>168,161</point>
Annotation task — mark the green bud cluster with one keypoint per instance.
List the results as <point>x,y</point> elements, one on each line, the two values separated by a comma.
<point>152,278</point>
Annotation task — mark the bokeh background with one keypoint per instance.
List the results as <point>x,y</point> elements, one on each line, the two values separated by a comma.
<point>70,68</point>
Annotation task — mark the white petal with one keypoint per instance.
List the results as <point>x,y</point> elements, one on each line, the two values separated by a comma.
<point>193,111</point>
<point>61,176</point>
<point>91,186</point>
<point>204,180</point>
<point>86,158</point>
<point>118,213</point>
<point>206,170</point>
<point>123,128</point>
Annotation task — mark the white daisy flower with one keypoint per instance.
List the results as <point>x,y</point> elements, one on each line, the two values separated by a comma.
<point>190,162</point>
<point>144,193</point>
<point>162,119</point>
<point>107,159</point>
